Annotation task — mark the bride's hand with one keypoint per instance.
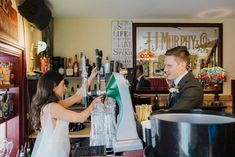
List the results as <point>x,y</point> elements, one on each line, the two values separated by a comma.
<point>99,99</point>
<point>93,73</point>
<point>92,76</point>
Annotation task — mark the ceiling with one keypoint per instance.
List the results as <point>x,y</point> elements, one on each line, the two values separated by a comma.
<point>131,9</point>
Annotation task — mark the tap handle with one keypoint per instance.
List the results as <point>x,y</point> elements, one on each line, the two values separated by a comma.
<point>97,57</point>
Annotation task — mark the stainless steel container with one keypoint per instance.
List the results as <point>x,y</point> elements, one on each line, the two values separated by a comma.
<point>193,133</point>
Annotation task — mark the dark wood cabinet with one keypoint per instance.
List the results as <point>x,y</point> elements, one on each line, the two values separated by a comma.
<point>233,94</point>
<point>13,53</point>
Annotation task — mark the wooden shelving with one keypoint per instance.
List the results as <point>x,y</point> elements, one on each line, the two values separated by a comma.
<point>2,120</point>
<point>3,87</point>
<point>13,53</point>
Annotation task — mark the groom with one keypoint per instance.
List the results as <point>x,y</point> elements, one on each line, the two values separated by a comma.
<point>185,91</point>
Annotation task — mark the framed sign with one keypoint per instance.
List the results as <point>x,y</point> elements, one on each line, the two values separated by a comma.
<point>122,43</point>
<point>9,20</point>
<point>203,40</point>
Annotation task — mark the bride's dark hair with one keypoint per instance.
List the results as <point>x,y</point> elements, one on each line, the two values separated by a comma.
<point>44,95</point>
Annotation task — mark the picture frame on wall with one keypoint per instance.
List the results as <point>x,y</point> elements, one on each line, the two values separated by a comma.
<point>204,42</point>
<point>145,65</point>
<point>9,21</point>
<point>145,70</point>
<point>156,70</point>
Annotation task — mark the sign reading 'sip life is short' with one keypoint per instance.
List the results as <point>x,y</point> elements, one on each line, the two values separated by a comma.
<point>122,43</point>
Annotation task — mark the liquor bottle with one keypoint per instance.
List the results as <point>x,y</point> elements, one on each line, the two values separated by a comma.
<point>45,58</point>
<point>10,103</point>
<point>4,105</point>
<point>67,92</point>
<point>88,67</point>
<point>12,74</point>
<point>28,151</point>
<point>69,70</point>
<point>62,66</point>
<point>42,62</point>
<point>72,91</point>
<point>112,69</point>
<point>1,112</point>
<point>1,74</point>
<point>7,74</point>
<point>107,70</point>
<point>78,87</point>
<point>107,66</point>
<point>22,152</point>
<point>48,64</point>
<point>76,67</point>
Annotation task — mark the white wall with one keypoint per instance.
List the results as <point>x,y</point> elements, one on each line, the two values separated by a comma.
<point>32,35</point>
<point>85,35</point>
<point>72,36</point>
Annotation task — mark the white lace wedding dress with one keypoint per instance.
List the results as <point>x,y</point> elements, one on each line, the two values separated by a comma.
<point>52,142</point>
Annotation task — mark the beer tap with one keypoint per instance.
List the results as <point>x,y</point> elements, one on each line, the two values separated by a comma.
<point>84,82</point>
<point>99,55</point>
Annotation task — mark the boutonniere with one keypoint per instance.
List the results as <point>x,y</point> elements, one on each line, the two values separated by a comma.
<point>174,90</point>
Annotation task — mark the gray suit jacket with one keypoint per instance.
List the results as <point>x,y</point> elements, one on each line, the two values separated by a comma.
<point>190,94</point>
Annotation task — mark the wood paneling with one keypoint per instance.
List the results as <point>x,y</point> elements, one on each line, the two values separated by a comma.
<point>233,94</point>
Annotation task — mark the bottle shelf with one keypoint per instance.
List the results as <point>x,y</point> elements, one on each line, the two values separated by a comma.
<point>73,78</point>
<point>11,116</point>
<point>13,71</point>
<point>11,89</point>
<point>6,86</point>
<point>65,77</point>
<point>80,78</point>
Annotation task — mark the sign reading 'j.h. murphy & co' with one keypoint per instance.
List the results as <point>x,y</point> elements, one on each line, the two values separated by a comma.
<point>160,39</point>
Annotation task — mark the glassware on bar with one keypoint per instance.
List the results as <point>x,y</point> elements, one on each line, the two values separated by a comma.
<point>103,124</point>
<point>6,146</point>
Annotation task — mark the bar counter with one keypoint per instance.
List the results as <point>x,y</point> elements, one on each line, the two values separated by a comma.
<point>84,133</point>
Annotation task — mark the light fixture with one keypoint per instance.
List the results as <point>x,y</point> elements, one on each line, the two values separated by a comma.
<point>146,55</point>
<point>213,77</point>
<point>217,74</point>
<point>41,46</point>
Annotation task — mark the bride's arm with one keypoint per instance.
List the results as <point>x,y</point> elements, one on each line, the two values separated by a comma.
<point>77,97</point>
<point>59,112</point>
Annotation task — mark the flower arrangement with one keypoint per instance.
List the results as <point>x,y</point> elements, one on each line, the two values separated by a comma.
<point>174,91</point>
